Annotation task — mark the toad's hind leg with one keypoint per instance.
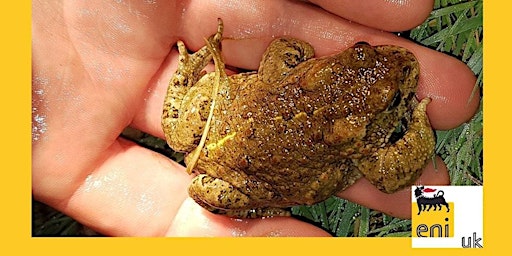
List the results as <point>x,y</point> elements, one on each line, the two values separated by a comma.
<point>397,166</point>
<point>189,71</point>
<point>220,197</point>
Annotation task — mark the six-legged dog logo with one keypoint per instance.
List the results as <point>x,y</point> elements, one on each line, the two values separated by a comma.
<point>425,202</point>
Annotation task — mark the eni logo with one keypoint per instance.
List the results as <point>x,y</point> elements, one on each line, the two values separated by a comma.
<point>426,203</point>
<point>434,216</point>
<point>446,216</point>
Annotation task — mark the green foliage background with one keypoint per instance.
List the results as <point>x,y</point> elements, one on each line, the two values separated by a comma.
<point>454,27</point>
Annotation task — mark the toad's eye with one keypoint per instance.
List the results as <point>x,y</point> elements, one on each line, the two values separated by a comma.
<point>396,101</point>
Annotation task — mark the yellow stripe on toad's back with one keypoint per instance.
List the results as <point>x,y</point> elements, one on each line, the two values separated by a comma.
<point>220,142</point>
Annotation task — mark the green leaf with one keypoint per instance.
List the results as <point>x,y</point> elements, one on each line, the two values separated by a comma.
<point>452,9</point>
<point>346,218</point>
<point>363,222</point>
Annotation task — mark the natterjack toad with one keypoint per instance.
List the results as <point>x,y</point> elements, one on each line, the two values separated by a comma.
<point>298,130</point>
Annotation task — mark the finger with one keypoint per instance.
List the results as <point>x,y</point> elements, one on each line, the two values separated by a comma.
<point>397,204</point>
<point>206,224</point>
<point>385,15</point>
<point>134,192</point>
<point>451,85</point>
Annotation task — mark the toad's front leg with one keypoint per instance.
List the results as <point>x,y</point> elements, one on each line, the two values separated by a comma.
<point>392,168</point>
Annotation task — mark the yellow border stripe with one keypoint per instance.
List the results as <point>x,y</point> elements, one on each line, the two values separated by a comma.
<point>15,188</point>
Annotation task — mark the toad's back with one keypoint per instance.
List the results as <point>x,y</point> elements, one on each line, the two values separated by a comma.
<point>300,135</point>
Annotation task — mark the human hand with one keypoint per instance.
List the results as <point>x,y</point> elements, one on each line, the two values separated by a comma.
<point>101,66</point>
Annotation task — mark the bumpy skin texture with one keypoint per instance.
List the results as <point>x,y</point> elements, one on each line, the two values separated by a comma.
<point>300,129</point>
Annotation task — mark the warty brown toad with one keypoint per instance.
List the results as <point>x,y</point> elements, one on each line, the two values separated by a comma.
<point>299,129</point>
